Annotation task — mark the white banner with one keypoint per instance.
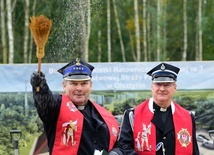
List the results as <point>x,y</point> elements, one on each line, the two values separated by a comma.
<point>109,76</point>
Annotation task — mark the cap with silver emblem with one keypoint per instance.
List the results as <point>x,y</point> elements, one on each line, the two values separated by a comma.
<point>164,73</point>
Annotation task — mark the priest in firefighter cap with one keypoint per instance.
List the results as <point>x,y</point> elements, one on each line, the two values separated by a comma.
<point>158,125</point>
<point>73,123</point>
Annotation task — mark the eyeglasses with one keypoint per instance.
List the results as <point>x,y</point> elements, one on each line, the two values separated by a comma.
<point>165,85</point>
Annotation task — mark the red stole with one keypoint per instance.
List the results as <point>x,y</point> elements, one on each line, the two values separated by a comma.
<point>145,131</point>
<point>70,124</point>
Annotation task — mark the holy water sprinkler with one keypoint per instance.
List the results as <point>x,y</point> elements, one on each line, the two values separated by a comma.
<point>40,28</point>
<point>15,136</point>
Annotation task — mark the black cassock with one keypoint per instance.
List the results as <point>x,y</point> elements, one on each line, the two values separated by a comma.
<point>165,133</point>
<point>93,130</point>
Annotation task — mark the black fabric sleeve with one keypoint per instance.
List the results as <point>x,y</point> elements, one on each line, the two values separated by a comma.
<point>195,144</point>
<point>125,142</point>
<point>47,104</point>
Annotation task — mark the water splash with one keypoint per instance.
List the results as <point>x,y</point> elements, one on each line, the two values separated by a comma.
<point>69,29</point>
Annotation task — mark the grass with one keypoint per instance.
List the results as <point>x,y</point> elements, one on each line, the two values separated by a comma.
<point>27,149</point>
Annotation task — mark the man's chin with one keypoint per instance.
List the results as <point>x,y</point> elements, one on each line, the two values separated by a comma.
<point>162,99</point>
<point>79,101</point>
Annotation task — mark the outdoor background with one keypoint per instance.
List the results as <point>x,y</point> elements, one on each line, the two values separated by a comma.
<point>110,30</point>
<point>104,31</point>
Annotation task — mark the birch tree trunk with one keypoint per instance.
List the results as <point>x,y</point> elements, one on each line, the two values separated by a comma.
<point>119,32</point>
<point>132,47</point>
<point>164,15</point>
<point>137,30</point>
<point>10,31</point>
<point>148,36</point>
<point>31,37</point>
<point>158,29</point>
<point>144,31</point>
<point>13,5</point>
<point>26,31</point>
<point>88,29</point>
<point>109,30</point>
<point>200,30</point>
<point>185,31</point>
<point>3,33</point>
<point>99,46</point>
<point>196,45</point>
<point>82,30</point>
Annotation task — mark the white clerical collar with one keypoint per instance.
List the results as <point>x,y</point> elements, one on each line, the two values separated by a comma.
<point>151,106</point>
<point>163,109</point>
<point>81,107</point>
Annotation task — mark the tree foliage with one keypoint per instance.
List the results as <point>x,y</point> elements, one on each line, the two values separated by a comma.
<point>66,34</point>
<point>15,115</point>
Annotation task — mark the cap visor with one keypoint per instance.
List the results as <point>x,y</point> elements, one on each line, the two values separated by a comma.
<point>77,78</point>
<point>163,79</point>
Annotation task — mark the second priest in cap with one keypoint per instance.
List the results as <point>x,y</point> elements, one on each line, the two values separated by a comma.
<point>74,125</point>
<point>158,126</point>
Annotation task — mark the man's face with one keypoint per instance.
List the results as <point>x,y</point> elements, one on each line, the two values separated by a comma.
<point>77,91</point>
<point>163,92</point>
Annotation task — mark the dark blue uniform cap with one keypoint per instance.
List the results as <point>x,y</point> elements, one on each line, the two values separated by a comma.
<point>77,70</point>
<point>164,73</point>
